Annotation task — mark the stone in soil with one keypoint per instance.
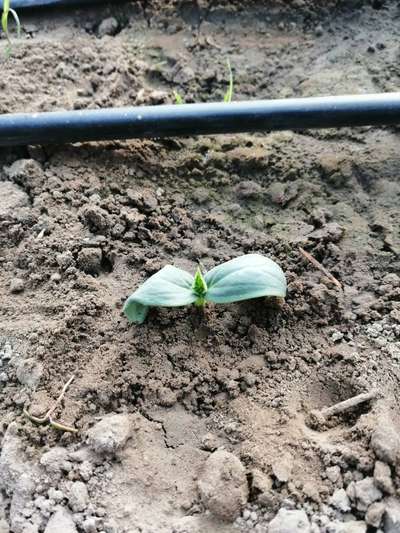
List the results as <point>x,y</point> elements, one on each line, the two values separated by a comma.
<point>223,485</point>
<point>29,372</point>
<point>364,493</point>
<point>110,434</point>
<point>89,260</point>
<point>78,496</point>
<point>391,518</point>
<point>290,522</point>
<point>61,521</point>
<point>383,477</point>
<point>108,26</point>
<point>374,514</point>
<point>385,440</point>
<point>17,285</point>
<point>340,500</point>
<point>352,526</point>
<point>11,198</point>
<point>282,467</point>
<point>56,460</point>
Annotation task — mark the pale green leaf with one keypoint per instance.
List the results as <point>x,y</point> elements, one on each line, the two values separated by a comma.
<point>135,312</point>
<point>178,98</point>
<point>170,287</point>
<point>248,276</point>
<point>229,92</point>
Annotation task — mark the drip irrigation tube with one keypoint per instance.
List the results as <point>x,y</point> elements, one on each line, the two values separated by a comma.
<point>199,119</point>
<point>21,4</point>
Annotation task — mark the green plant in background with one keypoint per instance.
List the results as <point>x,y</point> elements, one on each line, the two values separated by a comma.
<point>7,11</point>
<point>227,96</point>
<point>178,98</point>
<point>243,278</point>
<point>229,93</point>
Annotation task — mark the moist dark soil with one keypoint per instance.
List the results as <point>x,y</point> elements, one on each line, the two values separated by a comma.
<point>81,226</point>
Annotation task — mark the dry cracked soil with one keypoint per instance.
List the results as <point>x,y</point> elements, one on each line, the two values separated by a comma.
<point>196,423</point>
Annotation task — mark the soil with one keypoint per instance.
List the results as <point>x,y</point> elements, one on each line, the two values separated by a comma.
<point>192,423</point>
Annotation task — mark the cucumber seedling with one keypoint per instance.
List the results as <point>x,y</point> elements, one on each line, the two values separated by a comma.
<point>7,11</point>
<point>243,278</point>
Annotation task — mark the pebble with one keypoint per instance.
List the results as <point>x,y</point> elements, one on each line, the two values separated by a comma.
<point>17,285</point>
<point>4,527</point>
<point>248,190</point>
<point>333,473</point>
<point>383,477</point>
<point>65,259</point>
<point>23,170</point>
<point>319,31</point>
<point>12,459</point>
<point>78,496</point>
<point>90,259</point>
<point>108,26</point>
<point>340,500</point>
<point>223,485</point>
<point>61,521</point>
<point>110,434</point>
<point>290,522</point>
<point>85,470</point>
<point>385,441</point>
<point>374,514</point>
<point>29,372</point>
<point>351,526</point>
<point>365,493</point>
<point>282,467</point>
<point>261,484</point>
<point>209,442</point>
<point>55,495</point>
<point>56,460</point>
<point>12,197</point>
<point>90,525</point>
<point>391,521</point>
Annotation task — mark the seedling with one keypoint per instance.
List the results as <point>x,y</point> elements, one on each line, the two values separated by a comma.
<point>243,278</point>
<point>7,11</point>
<point>227,96</point>
<point>178,98</point>
<point>229,93</point>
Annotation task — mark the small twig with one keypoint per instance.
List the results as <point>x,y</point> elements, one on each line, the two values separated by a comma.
<point>59,399</point>
<point>321,416</point>
<point>48,418</point>
<point>61,427</point>
<point>320,267</point>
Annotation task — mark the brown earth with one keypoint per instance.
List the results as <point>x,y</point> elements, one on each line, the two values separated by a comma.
<point>81,226</point>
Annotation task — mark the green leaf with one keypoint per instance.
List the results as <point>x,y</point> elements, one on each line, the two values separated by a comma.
<point>170,287</point>
<point>135,312</point>
<point>248,276</point>
<point>178,98</point>
<point>229,92</point>
<point>199,287</point>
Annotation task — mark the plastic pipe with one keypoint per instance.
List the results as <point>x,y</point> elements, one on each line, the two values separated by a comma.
<point>199,119</point>
<point>20,4</point>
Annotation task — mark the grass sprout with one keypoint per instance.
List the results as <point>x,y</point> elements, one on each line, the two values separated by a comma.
<point>178,98</point>
<point>7,11</point>
<point>229,93</point>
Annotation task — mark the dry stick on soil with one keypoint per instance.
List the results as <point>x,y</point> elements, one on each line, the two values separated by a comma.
<point>321,416</point>
<point>320,267</point>
<point>48,418</point>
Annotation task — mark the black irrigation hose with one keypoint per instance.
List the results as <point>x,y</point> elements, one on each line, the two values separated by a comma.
<point>19,4</point>
<point>199,119</point>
